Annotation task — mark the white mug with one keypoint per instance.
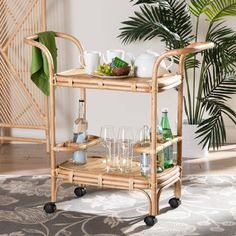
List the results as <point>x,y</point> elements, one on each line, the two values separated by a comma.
<point>91,61</point>
<point>112,53</point>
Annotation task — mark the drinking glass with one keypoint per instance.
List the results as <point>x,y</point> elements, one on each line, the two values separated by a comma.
<point>144,139</point>
<point>125,145</point>
<point>111,148</point>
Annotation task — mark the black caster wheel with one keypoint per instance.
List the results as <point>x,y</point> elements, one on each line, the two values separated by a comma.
<point>174,202</point>
<point>80,191</point>
<point>50,207</point>
<point>150,220</point>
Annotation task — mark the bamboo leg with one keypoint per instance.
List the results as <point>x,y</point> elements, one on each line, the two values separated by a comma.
<point>177,189</point>
<point>47,140</point>
<point>159,190</point>
<point>177,186</point>
<point>83,97</point>
<point>83,93</point>
<point>154,208</point>
<point>47,131</point>
<point>53,189</point>
<point>179,123</point>
<point>53,143</point>
<point>148,198</point>
<point>154,203</point>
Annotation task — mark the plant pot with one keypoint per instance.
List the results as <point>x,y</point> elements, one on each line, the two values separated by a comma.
<point>191,147</point>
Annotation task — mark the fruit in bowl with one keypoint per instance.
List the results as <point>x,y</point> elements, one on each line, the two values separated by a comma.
<point>117,67</point>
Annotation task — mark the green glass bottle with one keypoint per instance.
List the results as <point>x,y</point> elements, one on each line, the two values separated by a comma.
<point>167,135</point>
<point>160,154</point>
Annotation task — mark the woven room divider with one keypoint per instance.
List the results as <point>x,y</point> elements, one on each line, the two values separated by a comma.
<point>22,104</point>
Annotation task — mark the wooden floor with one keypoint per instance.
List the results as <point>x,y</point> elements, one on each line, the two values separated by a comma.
<point>32,159</point>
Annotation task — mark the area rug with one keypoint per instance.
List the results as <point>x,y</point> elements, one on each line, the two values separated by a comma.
<point>208,208</point>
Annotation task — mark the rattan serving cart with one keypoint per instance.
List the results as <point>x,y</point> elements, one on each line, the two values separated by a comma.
<point>94,172</point>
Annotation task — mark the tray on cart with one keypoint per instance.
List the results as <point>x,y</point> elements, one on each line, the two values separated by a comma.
<point>77,78</point>
<point>70,146</point>
<point>159,147</point>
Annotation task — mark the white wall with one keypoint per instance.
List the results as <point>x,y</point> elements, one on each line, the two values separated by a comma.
<point>97,28</point>
<point>96,24</point>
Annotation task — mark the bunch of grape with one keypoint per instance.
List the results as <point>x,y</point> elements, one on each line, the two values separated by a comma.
<point>108,68</point>
<point>105,69</point>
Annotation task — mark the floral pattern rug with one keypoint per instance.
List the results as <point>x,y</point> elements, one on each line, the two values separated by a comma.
<point>208,208</point>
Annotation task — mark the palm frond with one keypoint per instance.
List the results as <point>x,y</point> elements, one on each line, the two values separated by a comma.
<point>212,129</point>
<point>182,22</point>
<point>219,83</point>
<point>137,2</point>
<point>222,58</point>
<point>145,25</point>
<point>186,108</point>
<point>223,55</point>
<point>172,24</point>
<point>219,86</point>
<point>219,9</point>
<point>197,7</point>
<point>160,2</point>
<point>191,62</point>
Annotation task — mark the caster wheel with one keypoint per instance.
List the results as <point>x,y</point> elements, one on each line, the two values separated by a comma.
<point>150,220</point>
<point>80,192</point>
<point>174,202</point>
<point>50,207</point>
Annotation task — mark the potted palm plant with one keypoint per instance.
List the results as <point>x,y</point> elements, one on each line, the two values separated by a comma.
<point>210,76</point>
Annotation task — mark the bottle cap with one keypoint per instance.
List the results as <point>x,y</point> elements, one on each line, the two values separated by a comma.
<point>164,110</point>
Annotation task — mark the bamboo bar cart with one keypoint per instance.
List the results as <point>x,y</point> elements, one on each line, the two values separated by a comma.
<point>94,172</point>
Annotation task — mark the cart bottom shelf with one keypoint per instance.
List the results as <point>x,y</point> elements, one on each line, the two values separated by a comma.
<point>93,173</point>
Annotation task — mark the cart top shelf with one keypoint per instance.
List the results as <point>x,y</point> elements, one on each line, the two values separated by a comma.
<point>77,78</point>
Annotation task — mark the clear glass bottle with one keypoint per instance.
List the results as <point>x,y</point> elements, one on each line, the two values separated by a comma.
<point>167,135</point>
<point>80,134</point>
<point>160,154</point>
<point>145,139</point>
<point>80,124</point>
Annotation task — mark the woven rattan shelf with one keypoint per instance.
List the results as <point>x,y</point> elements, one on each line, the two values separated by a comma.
<point>77,78</point>
<point>70,146</point>
<point>159,147</point>
<point>94,173</point>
